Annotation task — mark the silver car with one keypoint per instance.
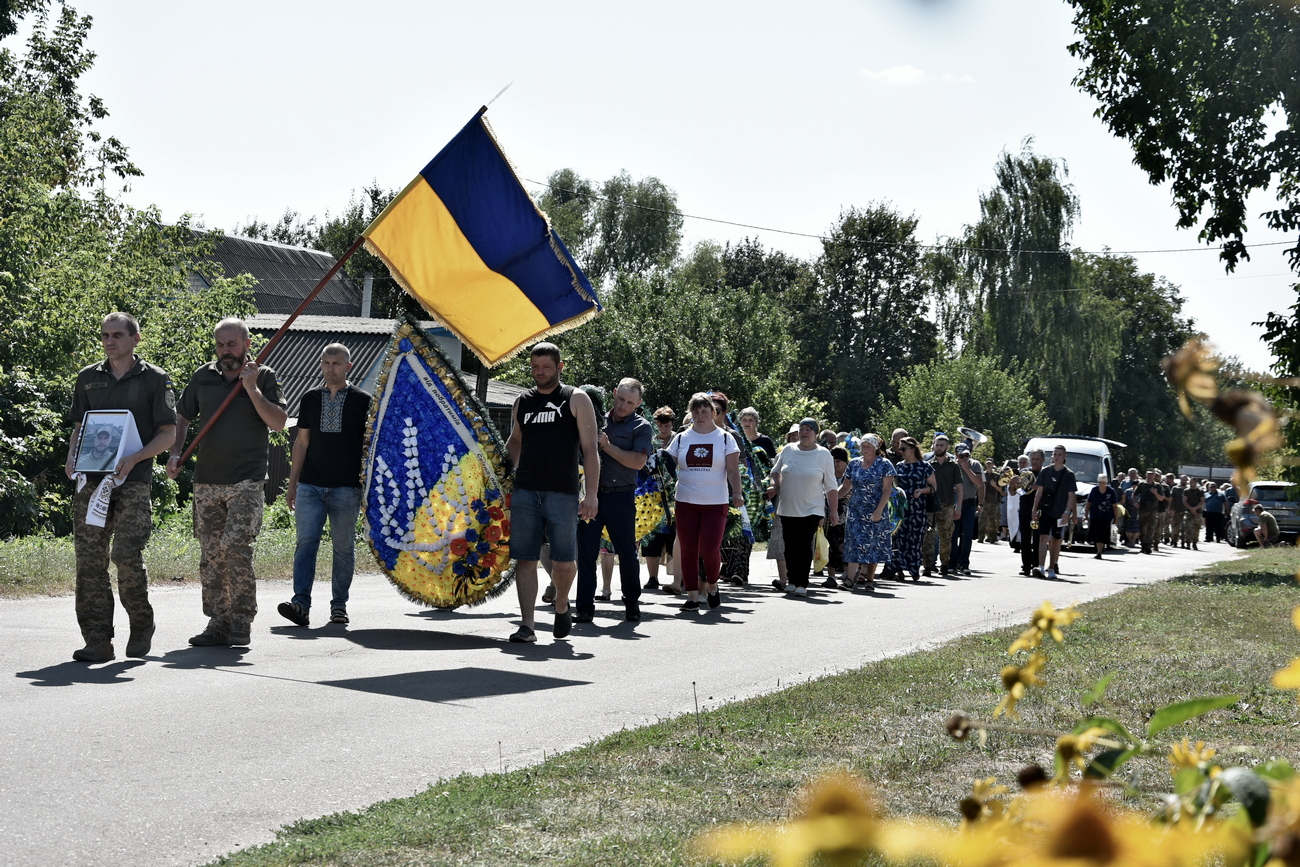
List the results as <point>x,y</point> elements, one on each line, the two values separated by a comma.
<point>1281,499</point>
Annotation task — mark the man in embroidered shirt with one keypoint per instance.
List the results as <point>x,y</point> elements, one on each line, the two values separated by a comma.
<point>325,481</point>
<point>229,478</point>
<point>121,381</point>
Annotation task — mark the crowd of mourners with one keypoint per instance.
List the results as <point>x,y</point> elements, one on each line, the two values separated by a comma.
<point>838,510</point>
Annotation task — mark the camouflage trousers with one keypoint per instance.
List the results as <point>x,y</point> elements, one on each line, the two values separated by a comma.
<point>937,524</point>
<point>1149,526</point>
<point>989,521</point>
<point>121,540</point>
<point>227,519</point>
<point>1192,525</point>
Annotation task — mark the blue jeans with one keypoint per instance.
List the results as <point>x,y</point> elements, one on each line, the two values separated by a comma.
<point>314,504</point>
<point>963,535</point>
<point>617,512</point>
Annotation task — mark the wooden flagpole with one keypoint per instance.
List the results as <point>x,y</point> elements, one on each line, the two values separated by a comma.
<point>270,344</point>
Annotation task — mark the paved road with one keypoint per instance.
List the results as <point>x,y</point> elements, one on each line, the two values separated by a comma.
<point>193,752</point>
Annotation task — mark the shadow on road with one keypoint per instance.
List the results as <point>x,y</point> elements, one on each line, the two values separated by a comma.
<point>71,673</point>
<point>418,639</point>
<point>205,657</point>
<point>459,613</point>
<point>454,684</point>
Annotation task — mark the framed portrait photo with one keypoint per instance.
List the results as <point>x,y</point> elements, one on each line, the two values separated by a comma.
<point>105,439</point>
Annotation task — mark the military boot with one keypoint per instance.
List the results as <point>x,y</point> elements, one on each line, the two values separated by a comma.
<point>217,633</point>
<point>140,642</point>
<point>94,651</point>
<point>239,635</point>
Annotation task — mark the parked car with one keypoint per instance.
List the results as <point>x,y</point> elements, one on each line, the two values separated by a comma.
<point>1282,499</point>
<point>1086,457</point>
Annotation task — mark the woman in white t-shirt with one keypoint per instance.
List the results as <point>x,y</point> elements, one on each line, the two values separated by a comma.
<point>804,478</point>
<point>707,460</point>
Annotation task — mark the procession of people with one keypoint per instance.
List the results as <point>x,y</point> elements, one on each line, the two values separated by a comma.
<point>847,507</point>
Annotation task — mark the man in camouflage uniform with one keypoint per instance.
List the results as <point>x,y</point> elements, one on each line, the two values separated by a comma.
<point>229,478</point>
<point>1149,494</point>
<point>945,507</point>
<point>121,381</point>
<point>1194,499</point>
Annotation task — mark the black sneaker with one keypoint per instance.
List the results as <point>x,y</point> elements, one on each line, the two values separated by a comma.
<point>715,599</point>
<point>830,584</point>
<point>293,612</point>
<point>563,623</point>
<point>690,605</point>
<point>652,584</point>
<point>632,611</point>
<point>523,636</point>
<point>583,617</point>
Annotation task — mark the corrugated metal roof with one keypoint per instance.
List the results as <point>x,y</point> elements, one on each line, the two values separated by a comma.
<point>296,357</point>
<point>336,324</point>
<point>285,275</point>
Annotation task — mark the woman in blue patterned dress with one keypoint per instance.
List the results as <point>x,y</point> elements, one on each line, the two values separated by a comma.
<point>867,482</point>
<point>915,478</point>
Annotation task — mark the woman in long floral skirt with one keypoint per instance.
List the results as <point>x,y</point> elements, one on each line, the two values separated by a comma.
<point>915,478</point>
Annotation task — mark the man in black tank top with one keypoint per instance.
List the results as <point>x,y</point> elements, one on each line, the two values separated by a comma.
<point>553,423</point>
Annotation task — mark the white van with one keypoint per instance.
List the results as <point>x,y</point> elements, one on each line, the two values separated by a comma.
<point>1086,457</point>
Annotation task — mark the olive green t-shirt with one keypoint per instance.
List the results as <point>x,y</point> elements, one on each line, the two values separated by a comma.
<point>235,449</point>
<point>145,390</point>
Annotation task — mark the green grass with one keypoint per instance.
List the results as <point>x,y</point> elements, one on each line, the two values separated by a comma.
<point>638,796</point>
<point>47,565</point>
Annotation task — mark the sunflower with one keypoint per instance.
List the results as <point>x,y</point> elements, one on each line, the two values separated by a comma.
<point>1016,680</point>
<point>1045,621</point>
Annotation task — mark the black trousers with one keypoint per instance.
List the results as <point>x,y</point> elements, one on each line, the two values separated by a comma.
<point>617,513</point>
<point>1028,541</point>
<point>799,533</point>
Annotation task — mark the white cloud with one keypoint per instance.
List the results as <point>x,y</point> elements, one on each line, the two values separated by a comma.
<point>912,75</point>
<point>896,74</point>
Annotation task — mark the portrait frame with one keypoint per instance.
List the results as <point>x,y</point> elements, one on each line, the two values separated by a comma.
<point>116,423</point>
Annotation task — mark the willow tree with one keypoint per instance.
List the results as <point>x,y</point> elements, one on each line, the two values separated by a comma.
<point>1006,290</point>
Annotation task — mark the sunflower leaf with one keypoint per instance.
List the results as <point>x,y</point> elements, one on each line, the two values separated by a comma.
<point>1181,712</point>
<point>1094,695</point>
<point>1104,722</point>
<point>1104,765</point>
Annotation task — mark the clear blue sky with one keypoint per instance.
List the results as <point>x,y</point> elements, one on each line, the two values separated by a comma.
<point>768,113</point>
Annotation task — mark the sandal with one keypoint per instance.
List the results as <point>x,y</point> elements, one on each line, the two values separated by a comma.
<point>548,596</point>
<point>605,597</point>
<point>339,615</point>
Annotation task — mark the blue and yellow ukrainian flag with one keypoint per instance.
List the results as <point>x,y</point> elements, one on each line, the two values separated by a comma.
<point>467,242</point>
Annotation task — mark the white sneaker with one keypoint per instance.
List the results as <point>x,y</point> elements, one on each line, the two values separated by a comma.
<point>1037,572</point>
<point>1051,573</point>
<point>801,591</point>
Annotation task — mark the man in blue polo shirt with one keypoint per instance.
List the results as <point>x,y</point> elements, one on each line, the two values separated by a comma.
<point>625,445</point>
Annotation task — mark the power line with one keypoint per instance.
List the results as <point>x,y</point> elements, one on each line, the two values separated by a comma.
<point>914,244</point>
